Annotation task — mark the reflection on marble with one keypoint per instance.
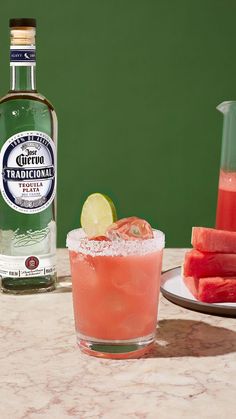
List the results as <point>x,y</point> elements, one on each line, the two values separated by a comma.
<point>189,374</point>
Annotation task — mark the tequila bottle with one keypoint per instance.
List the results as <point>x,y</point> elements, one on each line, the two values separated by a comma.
<point>28,134</point>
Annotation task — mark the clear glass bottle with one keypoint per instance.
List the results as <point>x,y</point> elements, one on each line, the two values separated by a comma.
<point>226,204</point>
<point>28,135</point>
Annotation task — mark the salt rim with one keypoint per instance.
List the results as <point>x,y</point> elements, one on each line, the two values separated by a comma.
<point>78,242</point>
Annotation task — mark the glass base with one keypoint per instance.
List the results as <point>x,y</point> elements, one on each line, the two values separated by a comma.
<point>115,349</point>
<point>28,285</point>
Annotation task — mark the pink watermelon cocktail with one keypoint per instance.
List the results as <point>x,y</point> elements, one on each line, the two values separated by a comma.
<point>115,290</point>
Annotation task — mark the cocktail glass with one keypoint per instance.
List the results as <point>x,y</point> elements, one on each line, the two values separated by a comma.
<point>115,287</point>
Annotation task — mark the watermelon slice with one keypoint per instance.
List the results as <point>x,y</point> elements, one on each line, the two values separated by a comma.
<point>131,228</point>
<point>212,240</point>
<point>212,290</point>
<point>201,265</point>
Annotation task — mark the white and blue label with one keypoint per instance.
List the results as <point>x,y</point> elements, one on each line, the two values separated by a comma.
<point>28,171</point>
<point>22,55</point>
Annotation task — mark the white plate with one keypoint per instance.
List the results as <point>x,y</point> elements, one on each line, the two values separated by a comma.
<point>174,289</point>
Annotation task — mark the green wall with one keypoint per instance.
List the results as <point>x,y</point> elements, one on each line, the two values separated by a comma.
<point>135,84</point>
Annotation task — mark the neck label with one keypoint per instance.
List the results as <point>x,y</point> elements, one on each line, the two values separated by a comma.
<point>22,55</point>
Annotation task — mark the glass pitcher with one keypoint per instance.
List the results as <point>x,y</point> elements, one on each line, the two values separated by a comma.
<point>226,204</point>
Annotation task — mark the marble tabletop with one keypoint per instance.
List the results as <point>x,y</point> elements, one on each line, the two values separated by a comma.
<point>189,374</point>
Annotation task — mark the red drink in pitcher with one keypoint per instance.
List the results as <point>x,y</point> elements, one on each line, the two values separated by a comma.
<point>226,205</point>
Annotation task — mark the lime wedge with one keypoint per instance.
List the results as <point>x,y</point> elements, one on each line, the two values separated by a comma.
<point>98,213</point>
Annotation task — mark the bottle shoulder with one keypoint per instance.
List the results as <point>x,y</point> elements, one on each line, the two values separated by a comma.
<point>26,111</point>
<point>34,95</point>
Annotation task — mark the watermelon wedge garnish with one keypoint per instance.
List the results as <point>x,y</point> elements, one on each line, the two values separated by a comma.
<point>131,228</point>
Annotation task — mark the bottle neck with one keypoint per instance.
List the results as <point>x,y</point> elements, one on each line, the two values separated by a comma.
<point>22,78</point>
<point>22,59</point>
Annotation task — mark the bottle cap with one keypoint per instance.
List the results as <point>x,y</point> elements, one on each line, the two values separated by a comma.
<point>22,22</point>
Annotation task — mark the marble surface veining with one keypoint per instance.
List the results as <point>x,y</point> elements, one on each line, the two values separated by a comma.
<point>189,374</point>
